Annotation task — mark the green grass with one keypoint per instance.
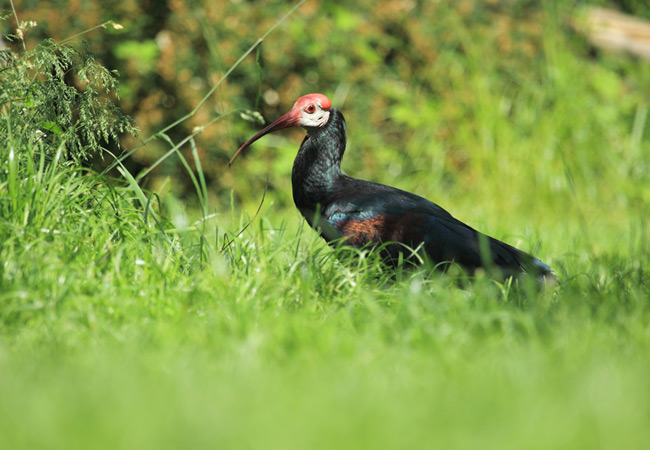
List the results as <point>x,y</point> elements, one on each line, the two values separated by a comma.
<point>141,342</point>
<point>130,320</point>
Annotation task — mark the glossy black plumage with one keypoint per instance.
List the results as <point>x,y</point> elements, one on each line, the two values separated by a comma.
<point>359,212</point>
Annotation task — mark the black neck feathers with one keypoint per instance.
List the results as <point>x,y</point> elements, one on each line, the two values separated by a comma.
<point>317,167</point>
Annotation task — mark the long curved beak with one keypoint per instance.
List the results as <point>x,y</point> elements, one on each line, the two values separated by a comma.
<point>290,119</point>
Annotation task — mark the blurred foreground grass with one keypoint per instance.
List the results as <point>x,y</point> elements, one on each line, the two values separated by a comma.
<point>287,351</point>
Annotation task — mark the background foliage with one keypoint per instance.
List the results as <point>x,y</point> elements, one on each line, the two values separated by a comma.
<point>437,95</point>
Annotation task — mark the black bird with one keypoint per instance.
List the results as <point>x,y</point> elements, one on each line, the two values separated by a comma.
<point>361,213</point>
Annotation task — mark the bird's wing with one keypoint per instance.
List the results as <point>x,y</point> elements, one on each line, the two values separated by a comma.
<point>376,213</point>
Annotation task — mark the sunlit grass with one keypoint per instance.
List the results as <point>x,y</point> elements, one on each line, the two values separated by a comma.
<point>129,320</point>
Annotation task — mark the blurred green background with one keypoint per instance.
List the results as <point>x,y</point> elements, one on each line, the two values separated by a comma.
<point>457,101</point>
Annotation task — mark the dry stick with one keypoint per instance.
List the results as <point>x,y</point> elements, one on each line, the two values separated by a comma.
<point>210,92</point>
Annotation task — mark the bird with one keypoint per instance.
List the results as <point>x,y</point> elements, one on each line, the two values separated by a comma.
<point>359,213</point>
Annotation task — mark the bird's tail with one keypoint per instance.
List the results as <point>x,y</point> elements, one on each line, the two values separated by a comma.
<point>513,261</point>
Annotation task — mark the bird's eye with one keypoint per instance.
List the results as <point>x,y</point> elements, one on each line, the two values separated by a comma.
<point>310,109</point>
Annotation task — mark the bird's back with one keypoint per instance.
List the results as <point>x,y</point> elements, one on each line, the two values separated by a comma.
<point>362,213</point>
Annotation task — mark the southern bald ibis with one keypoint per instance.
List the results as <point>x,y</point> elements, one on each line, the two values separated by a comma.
<point>360,213</point>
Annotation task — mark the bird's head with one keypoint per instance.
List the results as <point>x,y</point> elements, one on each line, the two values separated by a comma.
<point>309,111</point>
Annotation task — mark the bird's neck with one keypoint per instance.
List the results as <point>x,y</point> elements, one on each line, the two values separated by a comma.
<point>317,167</point>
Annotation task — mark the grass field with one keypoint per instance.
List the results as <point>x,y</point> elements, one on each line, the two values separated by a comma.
<point>131,320</point>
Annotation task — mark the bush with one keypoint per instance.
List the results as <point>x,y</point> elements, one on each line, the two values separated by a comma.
<point>59,95</point>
